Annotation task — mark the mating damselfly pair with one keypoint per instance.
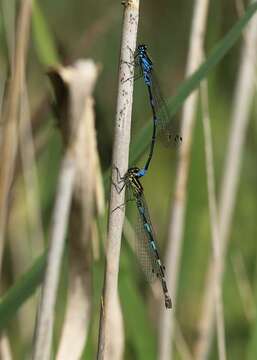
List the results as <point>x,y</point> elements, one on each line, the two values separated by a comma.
<point>162,126</point>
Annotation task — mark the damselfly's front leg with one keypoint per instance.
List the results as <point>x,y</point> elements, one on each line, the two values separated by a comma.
<point>121,207</point>
<point>133,63</point>
<point>119,180</point>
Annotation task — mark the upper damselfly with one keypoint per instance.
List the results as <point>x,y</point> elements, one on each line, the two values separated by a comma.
<point>163,125</point>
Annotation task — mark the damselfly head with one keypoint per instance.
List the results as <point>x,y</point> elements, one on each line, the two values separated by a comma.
<point>132,179</point>
<point>133,171</point>
<point>141,48</point>
<point>178,139</point>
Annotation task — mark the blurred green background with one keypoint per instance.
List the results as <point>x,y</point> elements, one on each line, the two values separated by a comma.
<point>66,30</point>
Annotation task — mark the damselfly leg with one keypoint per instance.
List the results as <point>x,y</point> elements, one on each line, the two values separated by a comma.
<point>120,180</point>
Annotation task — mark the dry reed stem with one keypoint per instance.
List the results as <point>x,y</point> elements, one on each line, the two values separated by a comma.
<point>25,230</point>
<point>45,320</point>
<point>73,86</point>
<point>111,342</point>
<point>8,144</point>
<point>176,227</point>
<point>87,204</point>
<point>9,13</point>
<point>239,121</point>
<point>9,138</point>
<point>5,349</point>
<point>213,214</point>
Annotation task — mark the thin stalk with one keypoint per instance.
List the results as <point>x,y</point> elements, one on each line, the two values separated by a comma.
<point>73,85</point>
<point>213,221</point>
<point>239,121</point>
<point>110,342</point>
<point>5,349</point>
<point>84,211</point>
<point>177,219</point>
<point>8,145</point>
<point>45,320</point>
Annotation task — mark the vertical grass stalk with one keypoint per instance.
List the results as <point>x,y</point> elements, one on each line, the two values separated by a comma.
<point>110,343</point>
<point>176,227</point>
<point>244,92</point>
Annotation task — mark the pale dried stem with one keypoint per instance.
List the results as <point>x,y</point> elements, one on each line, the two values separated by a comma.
<point>87,203</point>
<point>5,349</point>
<point>239,122</point>
<point>9,138</point>
<point>176,227</point>
<point>9,13</point>
<point>213,221</point>
<point>25,242</point>
<point>45,320</point>
<point>78,81</point>
<point>6,353</point>
<point>8,144</point>
<point>111,342</point>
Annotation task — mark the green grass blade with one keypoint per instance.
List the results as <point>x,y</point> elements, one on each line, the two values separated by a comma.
<point>21,291</point>
<point>43,41</point>
<point>252,347</point>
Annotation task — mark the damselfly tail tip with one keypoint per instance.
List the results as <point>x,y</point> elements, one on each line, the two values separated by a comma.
<point>178,139</point>
<point>168,303</point>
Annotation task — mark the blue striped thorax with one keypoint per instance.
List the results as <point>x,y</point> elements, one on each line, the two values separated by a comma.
<point>132,178</point>
<point>145,63</point>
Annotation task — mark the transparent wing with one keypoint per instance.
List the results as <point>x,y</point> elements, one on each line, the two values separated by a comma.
<point>146,255</point>
<point>168,129</point>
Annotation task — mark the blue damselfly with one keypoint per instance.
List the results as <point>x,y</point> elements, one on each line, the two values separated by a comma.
<point>163,125</point>
<point>147,249</point>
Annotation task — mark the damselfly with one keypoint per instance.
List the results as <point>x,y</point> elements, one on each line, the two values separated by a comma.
<point>147,249</point>
<point>163,126</point>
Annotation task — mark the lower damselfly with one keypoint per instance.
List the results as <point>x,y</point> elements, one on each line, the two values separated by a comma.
<point>146,245</point>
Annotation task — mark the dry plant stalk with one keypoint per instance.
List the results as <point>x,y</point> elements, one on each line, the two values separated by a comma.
<point>8,146</point>
<point>88,201</point>
<point>215,234</point>
<point>8,8</point>
<point>110,343</point>
<point>5,349</point>
<point>239,121</point>
<point>73,86</point>
<point>25,242</point>
<point>8,141</point>
<point>176,227</point>
<point>5,353</point>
